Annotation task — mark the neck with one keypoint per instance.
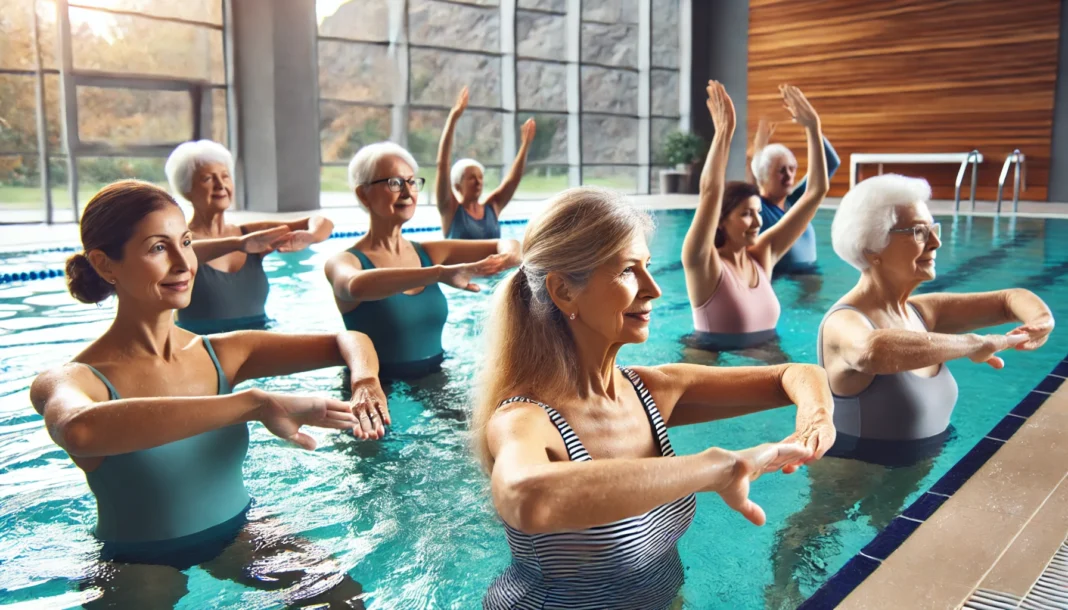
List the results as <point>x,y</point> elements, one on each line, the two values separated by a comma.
<point>207,221</point>
<point>779,202</point>
<point>384,235</point>
<point>887,294</point>
<point>470,204</point>
<point>595,376</point>
<point>734,253</point>
<point>143,333</point>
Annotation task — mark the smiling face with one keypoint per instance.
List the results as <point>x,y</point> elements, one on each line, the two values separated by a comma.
<point>910,255</point>
<point>617,302</point>
<point>383,202</point>
<point>212,189</point>
<point>742,225</point>
<point>158,264</point>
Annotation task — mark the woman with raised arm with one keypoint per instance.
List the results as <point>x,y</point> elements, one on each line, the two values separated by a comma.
<point>231,287</point>
<point>728,262</point>
<point>458,190</point>
<point>582,472</point>
<point>387,286</point>
<point>773,169</point>
<point>886,351</point>
<point>147,409</point>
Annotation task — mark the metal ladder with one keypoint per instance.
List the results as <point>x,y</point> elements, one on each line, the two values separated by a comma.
<point>1017,159</point>
<point>973,158</point>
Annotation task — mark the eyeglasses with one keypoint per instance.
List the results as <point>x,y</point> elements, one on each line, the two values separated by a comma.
<point>396,183</point>
<point>922,233</point>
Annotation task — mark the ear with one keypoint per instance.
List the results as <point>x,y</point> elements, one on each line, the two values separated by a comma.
<point>872,258</point>
<point>102,265</point>
<point>561,293</point>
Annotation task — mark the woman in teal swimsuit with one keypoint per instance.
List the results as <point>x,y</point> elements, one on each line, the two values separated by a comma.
<point>231,287</point>
<point>146,410</point>
<point>458,191</point>
<point>386,286</point>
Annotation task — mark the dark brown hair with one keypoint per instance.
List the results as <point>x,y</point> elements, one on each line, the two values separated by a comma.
<point>108,222</point>
<point>734,194</point>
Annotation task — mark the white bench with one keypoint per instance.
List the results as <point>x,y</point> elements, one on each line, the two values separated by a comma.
<point>963,159</point>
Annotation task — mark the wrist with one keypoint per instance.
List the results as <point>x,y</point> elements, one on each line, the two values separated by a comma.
<point>720,464</point>
<point>256,401</point>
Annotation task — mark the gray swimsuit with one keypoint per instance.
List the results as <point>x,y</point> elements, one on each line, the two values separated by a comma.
<point>898,418</point>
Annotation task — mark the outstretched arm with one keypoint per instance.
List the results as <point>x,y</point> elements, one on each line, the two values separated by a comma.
<point>699,257</point>
<point>443,182</point>
<point>760,141</point>
<point>504,193</point>
<point>781,237</point>
<point>833,161</point>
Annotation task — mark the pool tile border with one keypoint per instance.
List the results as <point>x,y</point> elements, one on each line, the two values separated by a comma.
<point>865,562</point>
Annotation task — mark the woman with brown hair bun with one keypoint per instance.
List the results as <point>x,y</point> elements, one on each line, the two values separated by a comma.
<point>582,472</point>
<point>147,411</point>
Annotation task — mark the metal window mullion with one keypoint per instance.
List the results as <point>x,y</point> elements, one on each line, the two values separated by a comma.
<point>574,92</point>
<point>645,62</point>
<point>509,91</point>
<point>69,105</point>
<point>124,13</point>
<point>685,63</point>
<point>233,115</point>
<point>42,122</point>
<point>398,24</point>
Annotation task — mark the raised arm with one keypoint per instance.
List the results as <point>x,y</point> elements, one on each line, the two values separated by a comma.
<point>503,194</point>
<point>765,129</point>
<point>862,349</point>
<point>833,161</point>
<point>443,181</point>
<point>781,237</point>
<point>536,495</point>
<point>80,418</point>
<point>699,257</point>
<point>691,394</point>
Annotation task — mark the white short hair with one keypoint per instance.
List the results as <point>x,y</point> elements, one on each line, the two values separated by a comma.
<point>761,164</point>
<point>458,169</point>
<point>868,212</point>
<point>185,159</point>
<point>363,164</point>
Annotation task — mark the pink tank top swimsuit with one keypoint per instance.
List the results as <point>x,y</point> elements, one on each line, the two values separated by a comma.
<point>737,316</point>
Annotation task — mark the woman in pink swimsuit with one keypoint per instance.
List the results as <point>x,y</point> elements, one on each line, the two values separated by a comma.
<point>727,260</point>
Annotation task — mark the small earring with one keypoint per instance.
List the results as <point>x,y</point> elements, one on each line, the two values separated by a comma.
<point>572,316</point>
<point>112,282</point>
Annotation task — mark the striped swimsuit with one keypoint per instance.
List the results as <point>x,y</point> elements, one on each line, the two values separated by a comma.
<point>631,563</point>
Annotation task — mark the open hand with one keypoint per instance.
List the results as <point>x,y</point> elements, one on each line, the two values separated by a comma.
<point>284,414</point>
<point>799,107</point>
<point>459,276</point>
<point>764,132</point>
<point>527,132</point>
<point>720,107</point>
<point>992,344</point>
<point>264,242</point>
<point>461,103</point>
<point>369,408</point>
<point>1037,334</point>
<point>295,241</point>
<point>750,464</point>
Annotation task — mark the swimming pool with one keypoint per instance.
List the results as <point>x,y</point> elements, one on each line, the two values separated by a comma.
<point>409,517</point>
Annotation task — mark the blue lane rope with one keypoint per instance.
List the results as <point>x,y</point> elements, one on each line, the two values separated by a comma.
<point>26,276</point>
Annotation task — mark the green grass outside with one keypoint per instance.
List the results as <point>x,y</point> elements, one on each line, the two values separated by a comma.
<point>335,179</point>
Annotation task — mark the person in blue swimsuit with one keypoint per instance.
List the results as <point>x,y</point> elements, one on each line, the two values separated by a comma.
<point>231,288</point>
<point>582,472</point>
<point>387,286</point>
<point>458,190</point>
<point>887,351</point>
<point>148,412</point>
<point>773,170</point>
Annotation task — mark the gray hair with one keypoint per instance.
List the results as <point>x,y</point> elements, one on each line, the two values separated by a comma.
<point>867,213</point>
<point>363,164</point>
<point>185,159</point>
<point>761,164</point>
<point>458,168</point>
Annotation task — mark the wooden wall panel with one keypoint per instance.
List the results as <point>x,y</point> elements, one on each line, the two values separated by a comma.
<point>913,76</point>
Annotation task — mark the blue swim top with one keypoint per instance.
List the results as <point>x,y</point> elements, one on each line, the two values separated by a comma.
<point>172,490</point>
<point>465,226</point>
<point>405,328</point>
<point>222,301</point>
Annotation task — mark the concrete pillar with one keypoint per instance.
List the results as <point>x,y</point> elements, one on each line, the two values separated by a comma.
<point>720,43</point>
<point>276,93</point>
<point>1058,154</point>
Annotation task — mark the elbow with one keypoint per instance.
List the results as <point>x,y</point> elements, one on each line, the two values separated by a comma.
<point>865,359</point>
<point>77,438</point>
<point>521,502</point>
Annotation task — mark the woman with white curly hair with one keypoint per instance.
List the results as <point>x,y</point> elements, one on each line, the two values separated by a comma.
<point>230,289</point>
<point>387,286</point>
<point>885,349</point>
<point>464,215</point>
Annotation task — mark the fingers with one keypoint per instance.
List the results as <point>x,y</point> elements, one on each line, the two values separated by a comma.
<point>752,511</point>
<point>996,362</point>
<point>472,287</point>
<point>383,411</point>
<point>302,440</point>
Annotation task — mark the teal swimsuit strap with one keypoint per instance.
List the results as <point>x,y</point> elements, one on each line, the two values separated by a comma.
<point>224,383</point>
<point>424,258</point>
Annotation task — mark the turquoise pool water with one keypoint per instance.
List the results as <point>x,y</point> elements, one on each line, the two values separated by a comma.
<point>409,517</point>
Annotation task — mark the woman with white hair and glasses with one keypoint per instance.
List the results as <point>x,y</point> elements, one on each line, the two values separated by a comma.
<point>582,472</point>
<point>230,289</point>
<point>386,286</point>
<point>773,170</point>
<point>886,351</point>
<point>458,190</point>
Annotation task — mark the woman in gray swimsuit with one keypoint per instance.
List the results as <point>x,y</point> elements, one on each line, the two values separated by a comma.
<point>886,351</point>
<point>231,287</point>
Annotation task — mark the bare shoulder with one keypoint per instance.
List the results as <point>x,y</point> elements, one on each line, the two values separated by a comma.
<point>74,375</point>
<point>342,261</point>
